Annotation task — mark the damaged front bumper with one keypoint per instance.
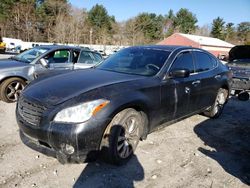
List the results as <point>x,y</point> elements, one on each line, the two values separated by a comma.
<point>69,143</point>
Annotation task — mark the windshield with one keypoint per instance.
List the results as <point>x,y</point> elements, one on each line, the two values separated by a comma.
<point>136,60</point>
<point>29,55</point>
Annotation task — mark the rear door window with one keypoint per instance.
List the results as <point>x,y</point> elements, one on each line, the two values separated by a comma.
<point>183,61</point>
<point>89,58</point>
<point>97,57</point>
<point>204,62</point>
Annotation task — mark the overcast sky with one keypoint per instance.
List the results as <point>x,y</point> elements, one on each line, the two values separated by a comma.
<point>234,11</point>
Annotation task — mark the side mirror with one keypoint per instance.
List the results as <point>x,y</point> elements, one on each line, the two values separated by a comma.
<point>44,63</point>
<point>179,73</point>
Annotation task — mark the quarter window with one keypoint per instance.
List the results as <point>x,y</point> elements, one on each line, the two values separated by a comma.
<point>204,62</point>
<point>184,61</point>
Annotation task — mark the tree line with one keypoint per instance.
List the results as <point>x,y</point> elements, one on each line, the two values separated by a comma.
<point>57,21</point>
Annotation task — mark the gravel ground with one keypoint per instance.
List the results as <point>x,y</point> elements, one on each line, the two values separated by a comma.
<point>195,152</point>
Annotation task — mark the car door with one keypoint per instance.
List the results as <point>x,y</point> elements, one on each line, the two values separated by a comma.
<point>57,60</point>
<point>87,59</point>
<point>181,94</point>
<point>205,67</point>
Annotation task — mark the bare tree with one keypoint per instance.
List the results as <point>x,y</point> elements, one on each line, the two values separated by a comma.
<point>205,30</point>
<point>21,21</point>
<point>69,28</point>
<point>133,32</point>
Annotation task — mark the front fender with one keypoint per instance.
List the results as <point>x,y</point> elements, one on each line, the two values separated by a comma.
<point>25,73</point>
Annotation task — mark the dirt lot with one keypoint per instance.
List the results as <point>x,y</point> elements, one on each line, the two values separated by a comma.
<point>196,152</point>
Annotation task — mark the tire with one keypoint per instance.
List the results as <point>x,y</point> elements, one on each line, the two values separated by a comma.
<point>121,136</point>
<point>243,96</point>
<point>11,88</point>
<point>216,109</point>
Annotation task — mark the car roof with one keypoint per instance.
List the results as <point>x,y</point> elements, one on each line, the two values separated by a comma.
<point>162,47</point>
<point>55,47</point>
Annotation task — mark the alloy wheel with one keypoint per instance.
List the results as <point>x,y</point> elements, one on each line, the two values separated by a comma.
<point>128,138</point>
<point>220,101</point>
<point>13,90</point>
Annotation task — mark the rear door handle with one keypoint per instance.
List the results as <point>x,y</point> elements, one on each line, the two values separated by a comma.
<point>196,82</point>
<point>217,76</point>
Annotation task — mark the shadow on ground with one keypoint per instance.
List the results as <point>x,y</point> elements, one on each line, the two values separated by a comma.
<point>229,135</point>
<point>104,175</point>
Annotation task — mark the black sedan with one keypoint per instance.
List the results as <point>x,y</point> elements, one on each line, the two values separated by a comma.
<point>111,107</point>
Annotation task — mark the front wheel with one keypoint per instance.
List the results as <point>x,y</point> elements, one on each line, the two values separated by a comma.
<point>11,88</point>
<point>122,136</point>
<point>216,109</point>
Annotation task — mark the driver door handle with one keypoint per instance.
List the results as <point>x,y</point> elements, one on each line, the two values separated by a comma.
<point>197,82</point>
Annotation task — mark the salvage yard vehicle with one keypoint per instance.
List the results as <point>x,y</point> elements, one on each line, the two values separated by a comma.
<point>239,63</point>
<point>109,108</point>
<point>2,46</point>
<point>19,70</point>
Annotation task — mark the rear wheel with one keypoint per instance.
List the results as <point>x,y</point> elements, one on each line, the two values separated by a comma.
<point>122,136</point>
<point>216,109</point>
<point>11,88</point>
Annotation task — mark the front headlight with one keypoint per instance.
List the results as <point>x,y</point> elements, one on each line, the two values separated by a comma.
<point>81,112</point>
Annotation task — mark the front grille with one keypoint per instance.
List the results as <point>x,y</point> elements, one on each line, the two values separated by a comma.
<point>30,112</point>
<point>241,84</point>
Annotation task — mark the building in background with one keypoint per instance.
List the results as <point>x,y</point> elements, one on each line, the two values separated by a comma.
<point>215,46</point>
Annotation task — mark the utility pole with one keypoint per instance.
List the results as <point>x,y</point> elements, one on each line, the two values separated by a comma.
<point>90,36</point>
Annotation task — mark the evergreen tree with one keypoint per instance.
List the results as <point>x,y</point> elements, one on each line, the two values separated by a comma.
<point>100,23</point>
<point>185,21</point>
<point>243,32</point>
<point>218,28</point>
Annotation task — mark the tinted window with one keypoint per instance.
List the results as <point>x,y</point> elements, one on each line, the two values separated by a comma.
<point>241,62</point>
<point>183,61</point>
<point>136,60</point>
<point>204,62</point>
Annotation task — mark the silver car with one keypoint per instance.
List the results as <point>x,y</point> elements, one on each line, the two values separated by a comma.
<point>19,70</point>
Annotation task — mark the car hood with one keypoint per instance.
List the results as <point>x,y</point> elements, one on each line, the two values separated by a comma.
<point>239,52</point>
<point>10,63</point>
<point>240,71</point>
<point>60,88</point>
